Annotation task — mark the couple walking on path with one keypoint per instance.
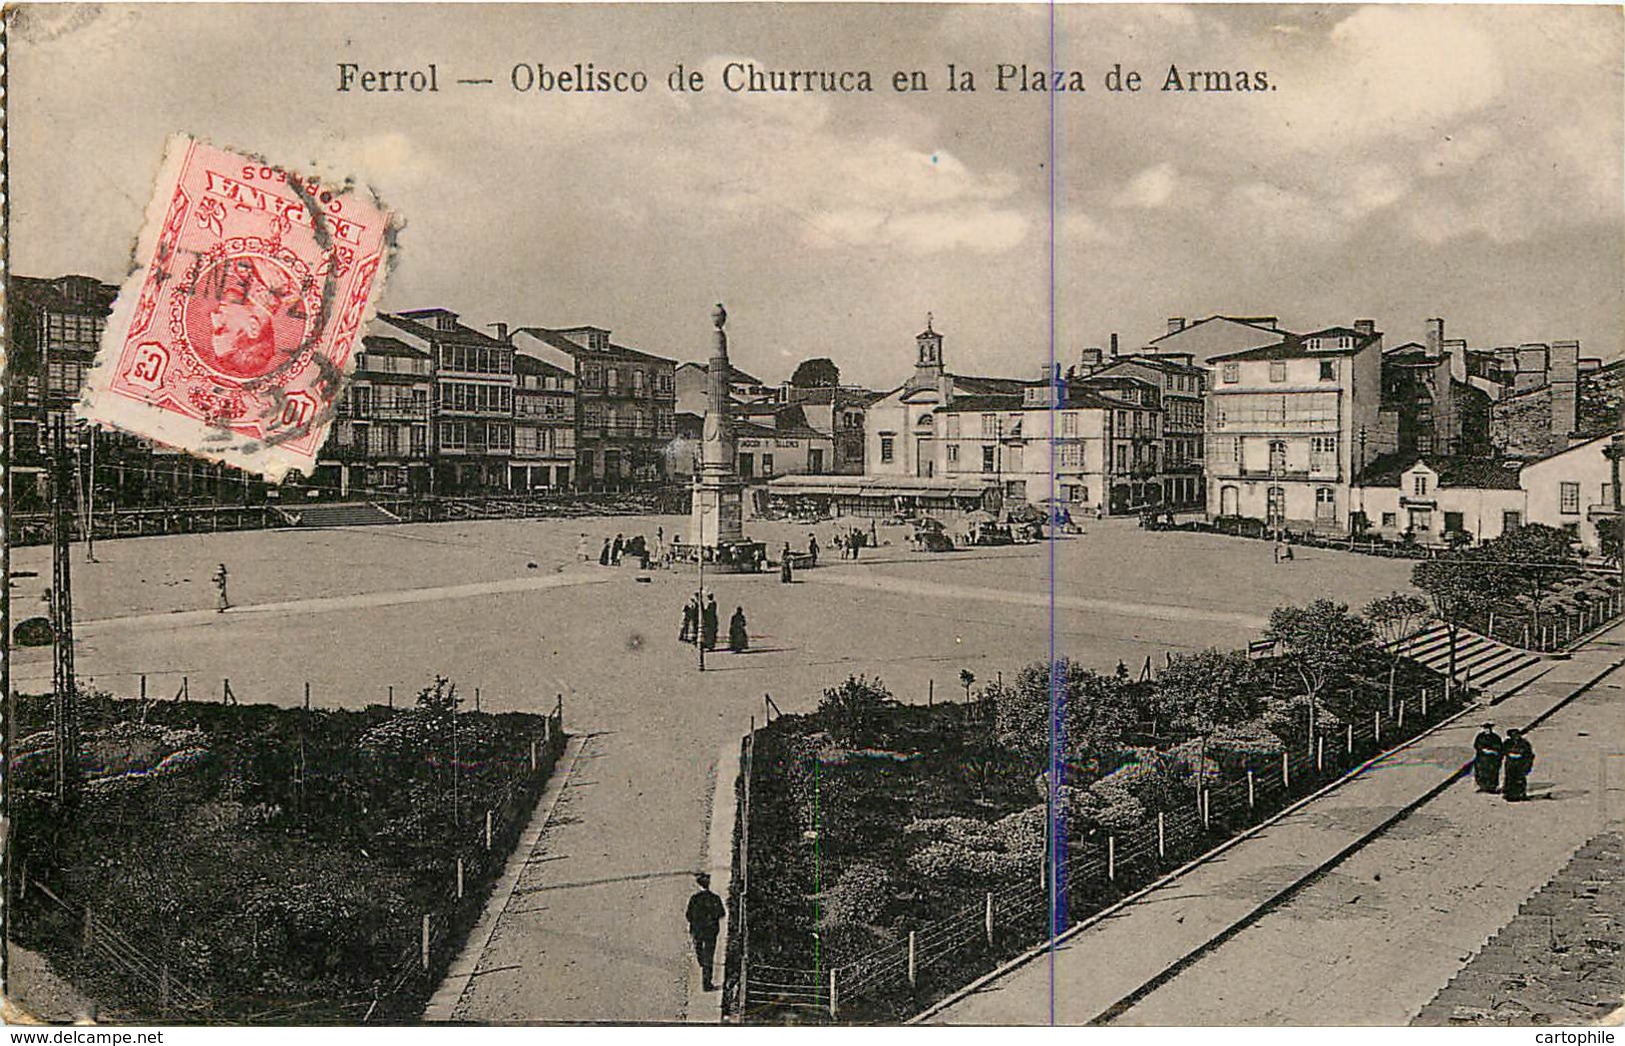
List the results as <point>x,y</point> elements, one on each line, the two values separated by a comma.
<point>1491,754</point>
<point>700,624</point>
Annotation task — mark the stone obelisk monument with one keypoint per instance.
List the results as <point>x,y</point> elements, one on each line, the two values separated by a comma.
<point>718,497</point>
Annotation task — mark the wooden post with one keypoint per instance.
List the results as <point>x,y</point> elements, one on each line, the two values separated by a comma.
<point>459,878</point>
<point>424,949</point>
<point>533,755</point>
<point>834,995</point>
<point>1376,726</point>
<point>476,699</point>
<point>1526,635</point>
<point>1286,771</point>
<point>1424,702</point>
<point>307,696</point>
<point>1348,742</point>
<point>487,829</point>
<point>1320,753</point>
<point>1204,804</point>
<point>143,686</point>
<point>1251,796</point>
<point>186,693</point>
<point>1491,630</point>
<point>392,696</point>
<point>987,918</point>
<point>930,692</point>
<point>1401,726</point>
<point>1162,836</point>
<point>912,966</point>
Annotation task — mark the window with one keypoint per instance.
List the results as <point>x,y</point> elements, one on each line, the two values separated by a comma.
<point>887,448</point>
<point>987,459</point>
<point>1230,373</point>
<point>1390,519</point>
<point>1323,454</point>
<point>1325,504</point>
<point>1327,370</point>
<point>453,435</point>
<point>1277,457</point>
<point>1069,423</point>
<point>1419,486</point>
<point>953,453</point>
<point>1510,521</point>
<point>1071,456</point>
<point>990,425</point>
<point>1455,523</point>
<point>1277,370</point>
<point>1568,497</point>
<point>767,464</point>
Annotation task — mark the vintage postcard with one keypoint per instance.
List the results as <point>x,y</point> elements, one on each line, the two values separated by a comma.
<point>1000,515</point>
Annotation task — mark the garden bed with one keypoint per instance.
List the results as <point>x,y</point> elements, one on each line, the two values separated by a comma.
<point>895,857</point>
<point>258,864</point>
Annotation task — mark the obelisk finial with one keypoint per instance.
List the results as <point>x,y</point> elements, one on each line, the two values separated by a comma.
<point>719,315</point>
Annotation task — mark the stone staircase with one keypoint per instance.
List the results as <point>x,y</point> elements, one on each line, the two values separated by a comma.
<point>345,514</point>
<point>1480,661</point>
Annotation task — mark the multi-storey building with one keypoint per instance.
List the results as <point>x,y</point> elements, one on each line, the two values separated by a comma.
<point>1069,442</point>
<point>1290,424</point>
<point>544,425</point>
<point>54,329</point>
<point>380,440</point>
<point>1181,386</point>
<point>473,398</point>
<point>1202,341</point>
<point>900,426</point>
<point>625,405</point>
<point>1435,408</point>
<point>838,412</point>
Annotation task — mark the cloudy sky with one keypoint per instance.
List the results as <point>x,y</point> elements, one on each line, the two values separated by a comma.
<point>1410,162</point>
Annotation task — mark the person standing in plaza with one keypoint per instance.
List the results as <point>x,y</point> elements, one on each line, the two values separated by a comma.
<point>603,556</point>
<point>1487,751</point>
<point>812,549</point>
<point>616,550</point>
<point>785,573</point>
<point>738,637</point>
<point>709,623</point>
<point>1519,758</point>
<point>691,622</point>
<point>220,577</point>
<point>705,914</point>
<point>582,549</point>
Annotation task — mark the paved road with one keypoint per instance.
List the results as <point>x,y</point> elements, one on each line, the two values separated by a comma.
<point>1114,960</point>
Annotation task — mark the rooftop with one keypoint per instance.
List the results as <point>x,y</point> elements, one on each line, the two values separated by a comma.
<point>557,339</point>
<point>1453,471</point>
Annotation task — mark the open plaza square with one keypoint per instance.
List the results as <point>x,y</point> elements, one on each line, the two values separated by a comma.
<point>508,608</point>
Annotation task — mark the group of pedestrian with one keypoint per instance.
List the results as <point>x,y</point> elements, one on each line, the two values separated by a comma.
<point>1492,756</point>
<point>849,542</point>
<point>620,547</point>
<point>701,621</point>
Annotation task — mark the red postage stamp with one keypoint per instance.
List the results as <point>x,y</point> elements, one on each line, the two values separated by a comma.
<point>234,332</point>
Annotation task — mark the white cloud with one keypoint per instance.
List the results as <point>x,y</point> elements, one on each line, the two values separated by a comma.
<point>1151,188</point>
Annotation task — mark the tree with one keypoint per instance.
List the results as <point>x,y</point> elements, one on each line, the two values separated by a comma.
<point>850,711</point>
<point>1524,561</point>
<point>1210,688</point>
<point>966,678</point>
<point>1323,642</point>
<point>818,373</point>
<point>1454,584</point>
<point>1092,714</point>
<point>1393,618</point>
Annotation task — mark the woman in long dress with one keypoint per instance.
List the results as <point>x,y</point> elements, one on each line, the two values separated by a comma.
<point>738,639</point>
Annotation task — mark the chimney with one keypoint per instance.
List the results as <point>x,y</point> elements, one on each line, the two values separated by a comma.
<point>1563,373</point>
<point>1366,328</point>
<point>1089,361</point>
<point>1506,364</point>
<point>501,331</point>
<point>1434,339</point>
<point>1176,324</point>
<point>1531,373</point>
<point>1114,345</point>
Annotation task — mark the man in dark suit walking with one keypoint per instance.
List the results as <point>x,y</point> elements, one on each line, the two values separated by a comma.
<point>705,913</point>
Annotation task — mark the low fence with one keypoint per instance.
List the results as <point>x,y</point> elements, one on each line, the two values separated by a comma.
<point>924,963</point>
<point>1553,630</point>
<point>34,528</point>
<point>426,940</point>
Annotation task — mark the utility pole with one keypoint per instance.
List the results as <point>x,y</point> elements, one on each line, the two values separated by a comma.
<point>90,497</point>
<point>64,714</point>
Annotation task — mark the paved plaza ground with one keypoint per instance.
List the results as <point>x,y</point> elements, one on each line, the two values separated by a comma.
<point>505,606</point>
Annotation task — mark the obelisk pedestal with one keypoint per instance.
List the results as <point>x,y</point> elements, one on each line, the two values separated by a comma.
<point>717,518</point>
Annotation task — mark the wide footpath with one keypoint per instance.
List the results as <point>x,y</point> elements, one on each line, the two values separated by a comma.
<point>1266,933</point>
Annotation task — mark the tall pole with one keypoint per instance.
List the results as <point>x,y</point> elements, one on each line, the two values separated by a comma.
<point>699,606</point>
<point>90,497</point>
<point>63,683</point>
